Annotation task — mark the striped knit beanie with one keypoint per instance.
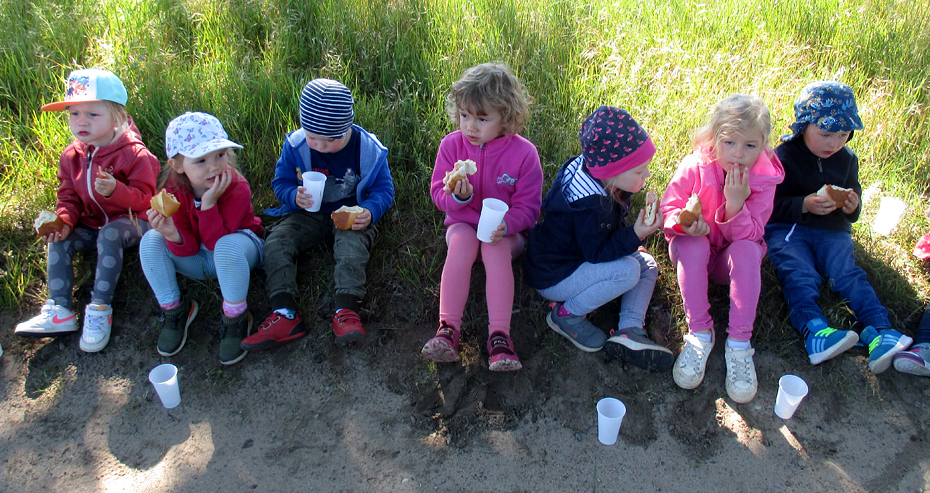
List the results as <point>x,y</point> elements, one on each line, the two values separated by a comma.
<point>612,142</point>
<point>326,108</point>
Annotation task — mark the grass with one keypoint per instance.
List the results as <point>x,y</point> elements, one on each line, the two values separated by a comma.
<point>245,61</point>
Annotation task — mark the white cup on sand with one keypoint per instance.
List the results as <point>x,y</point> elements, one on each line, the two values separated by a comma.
<point>791,390</point>
<point>165,379</point>
<point>889,213</point>
<point>492,213</point>
<point>314,183</point>
<point>610,413</point>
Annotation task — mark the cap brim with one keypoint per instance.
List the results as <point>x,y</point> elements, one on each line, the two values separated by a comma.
<point>205,148</point>
<point>61,105</point>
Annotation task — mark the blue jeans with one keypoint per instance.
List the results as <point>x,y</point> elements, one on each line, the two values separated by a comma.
<point>592,285</point>
<point>803,256</point>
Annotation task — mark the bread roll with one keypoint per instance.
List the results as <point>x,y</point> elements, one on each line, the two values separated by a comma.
<point>838,194</point>
<point>344,217</point>
<point>691,212</point>
<point>460,170</point>
<point>652,203</point>
<point>48,223</point>
<point>165,204</point>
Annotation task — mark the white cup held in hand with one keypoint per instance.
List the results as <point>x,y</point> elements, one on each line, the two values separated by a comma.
<point>889,213</point>
<point>165,379</point>
<point>314,183</point>
<point>791,390</point>
<point>610,413</point>
<point>492,213</point>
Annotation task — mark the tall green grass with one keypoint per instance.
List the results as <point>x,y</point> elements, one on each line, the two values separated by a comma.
<point>245,61</point>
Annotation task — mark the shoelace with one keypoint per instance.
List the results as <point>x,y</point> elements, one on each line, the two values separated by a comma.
<point>692,356</point>
<point>95,323</point>
<point>825,332</point>
<point>346,316</point>
<point>875,342</point>
<point>740,369</point>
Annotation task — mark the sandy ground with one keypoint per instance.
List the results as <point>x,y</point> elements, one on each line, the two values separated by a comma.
<point>314,416</point>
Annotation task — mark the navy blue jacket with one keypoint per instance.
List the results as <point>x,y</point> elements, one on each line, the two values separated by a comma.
<point>591,229</point>
<point>805,173</point>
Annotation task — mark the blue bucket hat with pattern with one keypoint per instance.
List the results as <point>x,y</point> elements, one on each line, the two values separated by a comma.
<point>830,106</point>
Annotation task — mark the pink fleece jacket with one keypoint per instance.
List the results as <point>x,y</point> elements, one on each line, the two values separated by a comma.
<point>508,169</point>
<point>699,174</point>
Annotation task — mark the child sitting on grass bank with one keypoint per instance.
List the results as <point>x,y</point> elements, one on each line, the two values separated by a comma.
<point>809,235</point>
<point>490,106</point>
<point>107,176</point>
<point>733,172</point>
<point>357,174</point>
<point>213,234</point>
<point>585,253</point>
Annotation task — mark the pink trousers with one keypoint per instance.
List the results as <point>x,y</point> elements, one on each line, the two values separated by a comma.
<point>739,265</point>
<point>463,250</point>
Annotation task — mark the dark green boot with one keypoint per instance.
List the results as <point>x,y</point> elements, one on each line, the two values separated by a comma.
<point>232,332</point>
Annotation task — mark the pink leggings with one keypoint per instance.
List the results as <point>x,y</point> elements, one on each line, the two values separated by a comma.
<point>463,250</point>
<point>738,264</point>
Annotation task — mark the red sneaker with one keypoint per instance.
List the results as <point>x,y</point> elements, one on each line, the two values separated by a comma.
<point>274,331</point>
<point>348,327</point>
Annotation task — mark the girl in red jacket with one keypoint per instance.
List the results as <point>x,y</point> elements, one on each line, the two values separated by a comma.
<point>107,177</point>
<point>213,235</point>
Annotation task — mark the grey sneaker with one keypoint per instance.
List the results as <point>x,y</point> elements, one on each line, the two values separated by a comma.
<point>689,367</point>
<point>634,346</point>
<point>915,360</point>
<point>741,374</point>
<point>232,332</point>
<point>173,333</point>
<point>577,329</point>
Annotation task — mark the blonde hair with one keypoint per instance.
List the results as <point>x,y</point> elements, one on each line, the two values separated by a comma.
<point>491,84</point>
<point>170,176</point>
<point>743,114</point>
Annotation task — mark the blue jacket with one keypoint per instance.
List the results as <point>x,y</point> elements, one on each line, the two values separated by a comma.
<point>591,229</point>
<point>375,192</point>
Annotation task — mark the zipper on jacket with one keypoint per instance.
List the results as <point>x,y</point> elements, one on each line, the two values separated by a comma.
<point>819,166</point>
<point>90,184</point>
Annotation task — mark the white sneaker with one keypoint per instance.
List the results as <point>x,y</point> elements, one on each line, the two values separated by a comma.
<point>689,367</point>
<point>98,319</point>
<point>741,374</point>
<point>52,320</point>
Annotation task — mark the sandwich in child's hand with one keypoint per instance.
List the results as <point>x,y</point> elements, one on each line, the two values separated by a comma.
<point>165,204</point>
<point>344,217</point>
<point>652,203</point>
<point>460,170</point>
<point>48,223</point>
<point>691,212</point>
<point>838,194</point>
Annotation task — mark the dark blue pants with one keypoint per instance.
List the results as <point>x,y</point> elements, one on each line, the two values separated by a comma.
<point>804,256</point>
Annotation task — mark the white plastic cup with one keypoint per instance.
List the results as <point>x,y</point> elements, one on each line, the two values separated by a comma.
<point>791,390</point>
<point>492,213</point>
<point>610,413</point>
<point>165,379</point>
<point>314,183</point>
<point>889,213</point>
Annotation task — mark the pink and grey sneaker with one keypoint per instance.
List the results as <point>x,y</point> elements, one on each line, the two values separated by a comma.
<point>915,360</point>
<point>52,320</point>
<point>501,356</point>
<point>444,346</point>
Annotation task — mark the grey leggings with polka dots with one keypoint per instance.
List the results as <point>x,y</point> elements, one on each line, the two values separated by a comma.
<point>110,241</point>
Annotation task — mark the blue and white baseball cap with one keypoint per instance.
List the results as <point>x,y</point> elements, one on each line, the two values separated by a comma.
<point>88,85</point>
